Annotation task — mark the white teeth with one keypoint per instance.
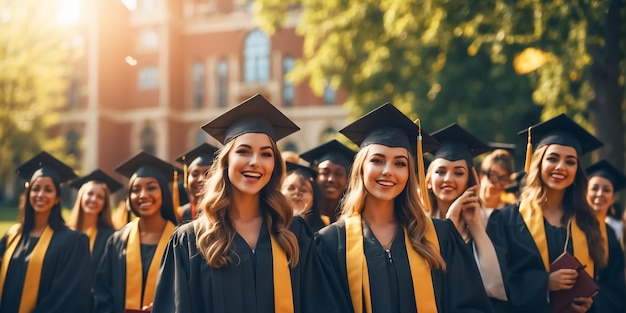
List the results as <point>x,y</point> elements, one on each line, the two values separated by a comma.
<point>558,176</point>
<point>386,183</point>
<point>250,174</point>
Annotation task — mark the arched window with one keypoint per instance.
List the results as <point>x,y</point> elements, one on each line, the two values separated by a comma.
<point>257,57</point>
<point>148,139</point>
<point>289,90</point>
<point>222,84</point>
<point>198,85</point>
<point>72,137</point>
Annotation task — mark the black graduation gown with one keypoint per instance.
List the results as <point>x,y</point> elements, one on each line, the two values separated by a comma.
<point>64,285</point>
<point>458,289</point>
<point>524,274</point>
<point>612,295</point>
<point>110,284</point>
<point>104,232</point>
<point>186,213</point>
<point>188,284</point>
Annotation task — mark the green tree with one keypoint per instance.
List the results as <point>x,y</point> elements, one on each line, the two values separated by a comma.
<point>450,61</point>
<point>35,55</point>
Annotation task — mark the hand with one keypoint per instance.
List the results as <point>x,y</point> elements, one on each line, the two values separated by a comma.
<point>562,279</point>
<point>582,304</point>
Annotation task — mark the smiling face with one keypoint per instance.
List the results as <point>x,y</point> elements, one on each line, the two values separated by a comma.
<point>195,180</point>
<point>449,179</point>
<point>600,194</point>
<point>93,198</point>
<point>385,172</point>
<point>146,196</point>
<point>558,167</point>
<point>299,192</point>
<point>43,195</point>
<point>250,163</point>
<point>332,179</point>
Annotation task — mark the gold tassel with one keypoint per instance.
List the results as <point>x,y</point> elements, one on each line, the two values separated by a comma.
<point>529,153</point>
<point>420,169</point>
<point>185,172</point>
<point>176,196</point>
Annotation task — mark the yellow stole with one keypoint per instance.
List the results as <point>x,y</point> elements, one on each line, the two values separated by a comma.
<point>92,233</point>
<point>136,296</point>
<point>283,297</point>
<point>358,276</point>
<point>605,239</point>
<point>325,219</point>
<point>533,218</point>
<point>30,290</point>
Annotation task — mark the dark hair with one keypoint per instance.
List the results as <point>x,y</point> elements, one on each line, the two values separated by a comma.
<point>167,206</point>
<point>26,215</point>
<point>312,216</point>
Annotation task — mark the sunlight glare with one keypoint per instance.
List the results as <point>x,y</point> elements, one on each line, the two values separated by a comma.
<point>69,12</point>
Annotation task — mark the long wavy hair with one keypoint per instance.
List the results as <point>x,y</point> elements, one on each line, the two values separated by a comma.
<point>574,203</point>
<point>26,215</point>
<point>471,181</point>
<point>407,208</point>
<point>77,218</point>
<point>167,206</point>
<point>214,228</point>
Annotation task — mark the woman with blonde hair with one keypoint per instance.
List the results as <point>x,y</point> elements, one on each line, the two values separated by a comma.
<point>91,214</point>
<point>246,252</point>
<point>551,219</point>
<point>390,256</point>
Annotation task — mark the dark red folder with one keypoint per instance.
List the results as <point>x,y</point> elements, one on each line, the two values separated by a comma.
<point>136,311</point>
<point>584,286</point>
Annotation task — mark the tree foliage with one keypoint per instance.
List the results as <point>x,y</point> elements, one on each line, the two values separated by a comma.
<point>34,65</point>
<point>493,66</point>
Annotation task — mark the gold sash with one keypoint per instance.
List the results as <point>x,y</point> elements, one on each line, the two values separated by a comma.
<point>325,219</point>
<point>30,290</point>
<point>358,276</point>
<point>92,233</point>
<point>533,218</point>
<point>136,296</point>
<point>605,240</point>
<point>283,297</point>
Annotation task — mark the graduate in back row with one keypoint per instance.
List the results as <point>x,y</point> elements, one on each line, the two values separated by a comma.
<point>246,253</point>
<point>196,166</point>
<point>551,218</point>
<point>604,181</point>
<point>389,256</point>
<point>45,265</point>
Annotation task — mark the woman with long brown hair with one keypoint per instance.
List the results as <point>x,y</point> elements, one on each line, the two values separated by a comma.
<point>552,217</point>
<point>246,252</point>
<point>389,255</point>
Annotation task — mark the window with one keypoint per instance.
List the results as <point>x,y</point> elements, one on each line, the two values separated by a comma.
<point>148,140</point>
<point>149,39</point>
<point>222,84</point>
<point>198,85</point>
<point>289,90</point>
<point>201,137</point>
<point>148,78</point>
<point>72,137</point>
<point>73,100</point>
<point>329,95</point>
<point>257,57</point>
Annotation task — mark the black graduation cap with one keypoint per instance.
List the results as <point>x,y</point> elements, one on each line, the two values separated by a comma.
<point>458,144</point>
<point>561,130</point>
<point>388,126</point>
<point>255,115</point>
<point>332,151</point>
<point>307,171</point>
<point>146,165</point>
<point>100,177</point>
<point>606,170</point>
<point>202,155</point>
<point>46,165</point>
<point>516,182</point>
<point>510,147</point>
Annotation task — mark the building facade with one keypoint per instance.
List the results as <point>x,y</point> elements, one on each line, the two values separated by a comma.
<point>154,71</point>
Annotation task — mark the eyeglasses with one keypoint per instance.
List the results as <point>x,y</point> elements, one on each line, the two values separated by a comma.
<point>494,178</point>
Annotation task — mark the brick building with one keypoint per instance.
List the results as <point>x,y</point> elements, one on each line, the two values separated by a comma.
<point>151,75</point>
